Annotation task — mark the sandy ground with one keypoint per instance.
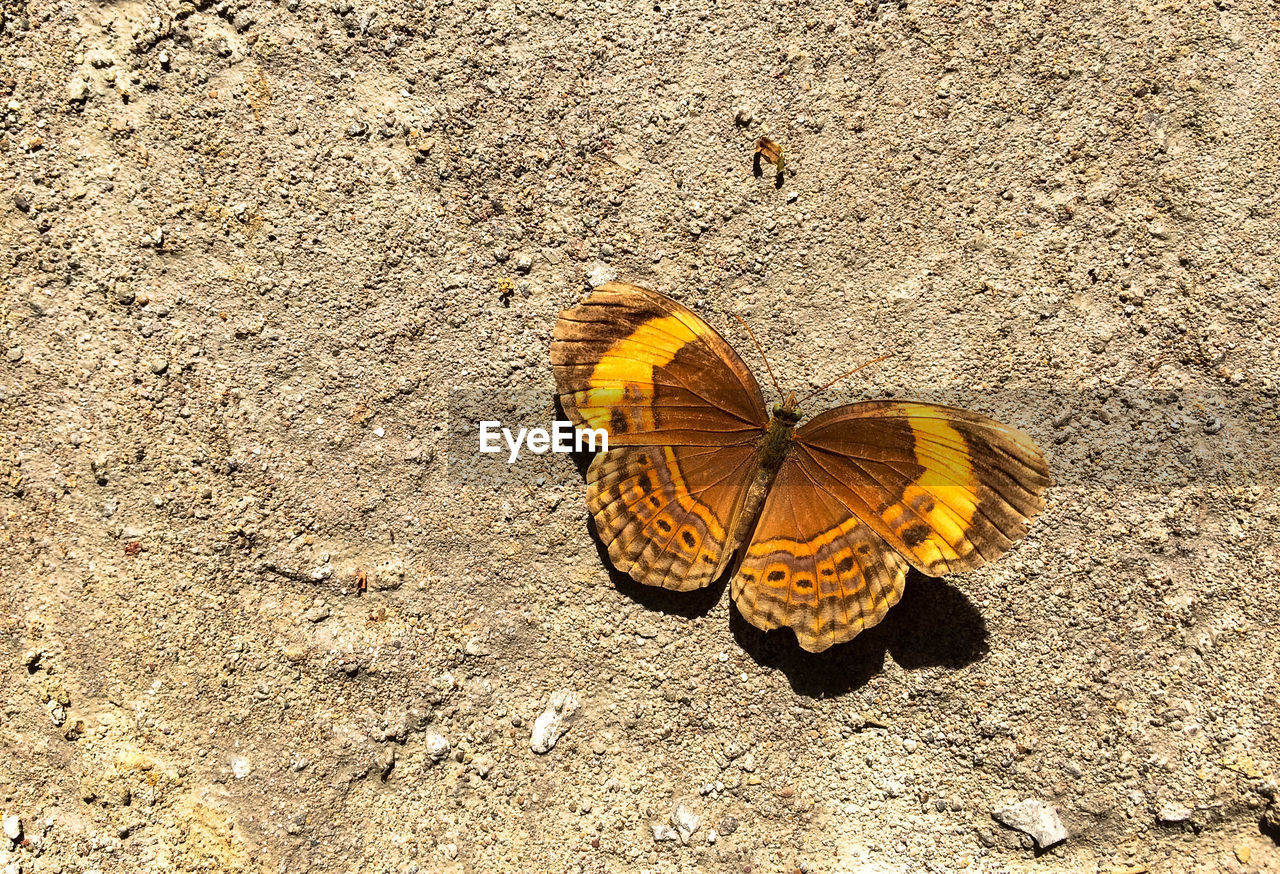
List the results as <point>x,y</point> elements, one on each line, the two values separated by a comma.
<point>264,608</point>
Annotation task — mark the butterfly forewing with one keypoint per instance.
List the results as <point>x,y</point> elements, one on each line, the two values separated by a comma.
<point>651,372</point>
<point>948,489</point>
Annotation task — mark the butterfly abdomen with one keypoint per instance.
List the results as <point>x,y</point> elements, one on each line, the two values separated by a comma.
<point>772,451</point>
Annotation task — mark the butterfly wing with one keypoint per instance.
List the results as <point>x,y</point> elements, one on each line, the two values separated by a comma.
<point>813,565</point>
<point>948,489</point>
<point>870,488</point>
<point>667,514</point>
<point>683,415</point>
<point>650,372</point>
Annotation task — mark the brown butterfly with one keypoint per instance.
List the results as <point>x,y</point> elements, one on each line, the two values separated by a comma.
<point>819,522</point>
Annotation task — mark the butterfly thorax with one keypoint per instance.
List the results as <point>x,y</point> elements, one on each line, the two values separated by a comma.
<point>777,437</point>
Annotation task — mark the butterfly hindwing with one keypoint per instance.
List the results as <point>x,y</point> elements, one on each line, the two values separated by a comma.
<point>814,566</point>
<point>666,513</point>
<point>948,489</point>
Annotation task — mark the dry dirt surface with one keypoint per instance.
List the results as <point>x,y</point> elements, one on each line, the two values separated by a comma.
<point>263,607</point>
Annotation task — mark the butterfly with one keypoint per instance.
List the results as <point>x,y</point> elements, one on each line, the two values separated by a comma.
<point>818,521</point>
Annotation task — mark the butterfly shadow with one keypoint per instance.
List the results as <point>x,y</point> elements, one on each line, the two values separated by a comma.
<point>934,625</point>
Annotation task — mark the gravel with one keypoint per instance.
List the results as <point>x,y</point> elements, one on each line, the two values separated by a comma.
<point>686,822</point>
<point>1173,813</point>
<point>332,221</point>
<point>599,274</point>
<point>436,746</point>
<point>663,832</point>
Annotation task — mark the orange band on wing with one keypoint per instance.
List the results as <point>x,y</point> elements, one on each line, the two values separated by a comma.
<point>687,501</point>
<point>803,547</point>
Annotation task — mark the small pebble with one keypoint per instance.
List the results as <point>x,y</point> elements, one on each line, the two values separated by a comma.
<point>599,274</point>
<point>663,832</point>
<point>437,747</point>
<point>158,365</point>
<point>551,725</point>
<point>686,822</point>
<point>1035,818</point>
<point>1172,813</point>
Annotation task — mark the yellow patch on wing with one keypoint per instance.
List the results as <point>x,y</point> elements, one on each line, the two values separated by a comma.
<point>936,511</point>
<point>622,381</point>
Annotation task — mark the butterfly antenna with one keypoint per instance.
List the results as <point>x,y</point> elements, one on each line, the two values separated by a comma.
<point>760,349</point>
<point>843,375</point>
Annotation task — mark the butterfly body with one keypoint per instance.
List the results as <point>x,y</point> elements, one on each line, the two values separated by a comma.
<point>820,521</point>
<point>771,453</point>
<point>777,436</point>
